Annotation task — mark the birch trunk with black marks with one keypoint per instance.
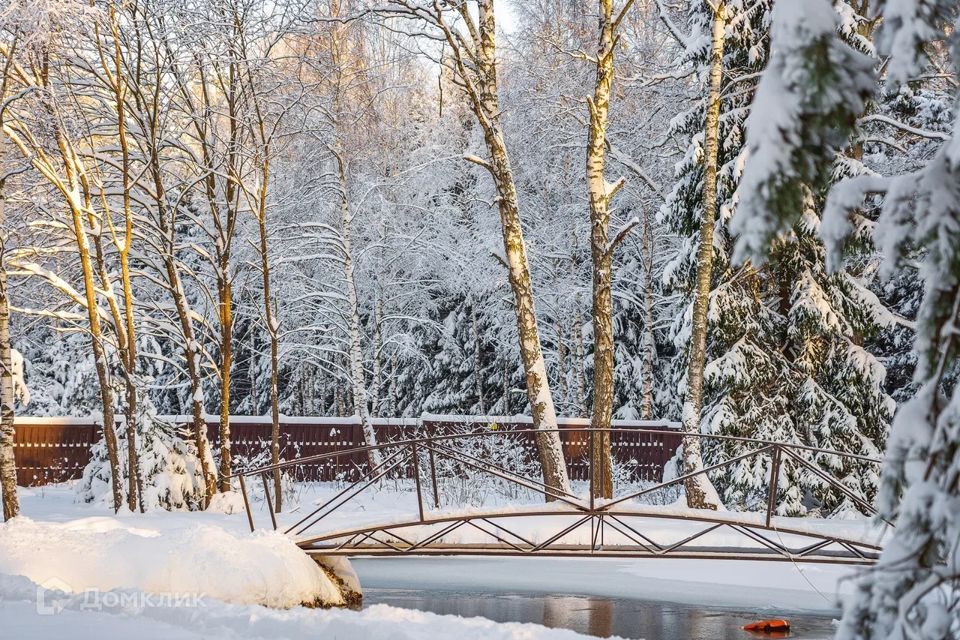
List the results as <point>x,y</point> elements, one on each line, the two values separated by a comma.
<point>600,194</point>
<point>474,59</point>
<point>8,464</point>
<point>358,383</point>
<point>699,490</point>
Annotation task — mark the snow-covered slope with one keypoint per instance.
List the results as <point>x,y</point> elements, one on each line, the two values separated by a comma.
<point>104,553</point>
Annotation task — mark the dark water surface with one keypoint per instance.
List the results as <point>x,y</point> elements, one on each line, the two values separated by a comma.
<point>601,616</point>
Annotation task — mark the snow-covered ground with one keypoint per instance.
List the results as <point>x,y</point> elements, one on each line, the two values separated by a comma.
<point>122,614</point>
<point>144,572</point>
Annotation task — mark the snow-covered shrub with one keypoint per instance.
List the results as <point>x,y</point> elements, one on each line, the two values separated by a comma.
<point>170,470</point>
<point>461,485</point>
<point>290,483</point>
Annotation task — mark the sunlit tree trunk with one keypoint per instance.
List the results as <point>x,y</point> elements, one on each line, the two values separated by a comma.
<point>600,194</point>
<point>481,86</point>
<point>126,337</point>
<point>699,490</point>
<point>8,465</point>
<point>74,186</point>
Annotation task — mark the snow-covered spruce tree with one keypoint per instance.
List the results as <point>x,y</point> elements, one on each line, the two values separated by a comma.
<point>173,477</point>
<point>818,86</point>
<point>786,357</point>
<point>839,403</point>
<point>743,372</point>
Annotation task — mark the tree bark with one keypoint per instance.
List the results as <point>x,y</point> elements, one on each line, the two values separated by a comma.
<point>74,186</point>
<point>126,339</point>
<point>191,348</point>
<point>272,332</point>
<point>224,291</point>
<point>99,353</point>
<point>358,377</point>
<point>8,464</point>
<point>600,194</point>
<point>477,368</point>
<point>480,84</point>
<point>579,360</point>
<point>699,490</point>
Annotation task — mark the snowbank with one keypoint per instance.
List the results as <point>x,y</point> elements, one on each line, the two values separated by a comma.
<point>73,616</point>
<point>106,553</point>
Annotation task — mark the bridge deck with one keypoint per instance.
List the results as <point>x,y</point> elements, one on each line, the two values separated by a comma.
<point>453,469</point>
<point>649,532</point>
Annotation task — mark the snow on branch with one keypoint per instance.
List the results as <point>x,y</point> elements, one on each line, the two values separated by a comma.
<point>806,105</point>
<point>908,25</point>
<point>479,162</point>
<point>843,199</point>
<point>623,232</point>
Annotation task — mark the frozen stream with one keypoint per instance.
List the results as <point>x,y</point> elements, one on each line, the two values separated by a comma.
<point>597,597</point>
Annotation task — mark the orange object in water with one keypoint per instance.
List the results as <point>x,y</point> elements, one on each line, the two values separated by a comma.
<point>768,626</point>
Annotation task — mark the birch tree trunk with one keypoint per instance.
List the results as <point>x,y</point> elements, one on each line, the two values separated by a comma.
<point>126,338</point>
<point>376,382</point>
<point>379,314</point>
<point>74,186</point>
<point>601,249</point>
<point>191,347</point>
<point>119,329</point>
<point>476,66</point>
<point>357,375</point>
<point>8,464</point>
<point>699,490</point>
<point>99,355</point>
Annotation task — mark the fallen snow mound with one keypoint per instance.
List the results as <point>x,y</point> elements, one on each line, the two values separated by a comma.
<point>105,553</point>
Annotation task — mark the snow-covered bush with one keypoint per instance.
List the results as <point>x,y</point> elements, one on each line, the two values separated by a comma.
<point>290,480</point>
<point>170,471</point>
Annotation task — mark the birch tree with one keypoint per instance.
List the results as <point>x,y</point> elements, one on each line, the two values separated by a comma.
<point>8,465</point>
<point>151,98</point>
<point>472,43</point>
<point>54,154</point>
<point>700,492</point>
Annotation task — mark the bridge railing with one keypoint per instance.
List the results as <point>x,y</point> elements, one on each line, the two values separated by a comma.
<point>433,463</point>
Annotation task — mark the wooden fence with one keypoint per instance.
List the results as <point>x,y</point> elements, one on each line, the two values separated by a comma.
<point>50,450</point>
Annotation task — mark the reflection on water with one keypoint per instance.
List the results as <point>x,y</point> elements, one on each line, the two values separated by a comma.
<point>600,616</point>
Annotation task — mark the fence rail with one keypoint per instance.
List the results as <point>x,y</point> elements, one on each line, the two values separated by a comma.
<point>56,449</point>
